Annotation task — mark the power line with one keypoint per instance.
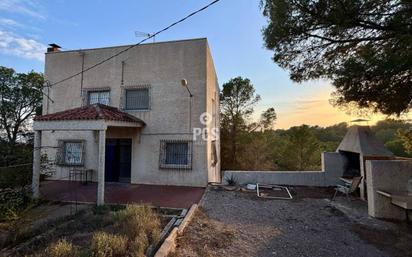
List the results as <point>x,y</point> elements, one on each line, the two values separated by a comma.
<point>132,46</point>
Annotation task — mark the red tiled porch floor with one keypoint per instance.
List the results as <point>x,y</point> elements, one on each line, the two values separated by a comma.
<point>156,195</point>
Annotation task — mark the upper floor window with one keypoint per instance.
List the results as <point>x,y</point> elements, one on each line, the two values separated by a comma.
<point>137,99</point>
<point>98,97</point>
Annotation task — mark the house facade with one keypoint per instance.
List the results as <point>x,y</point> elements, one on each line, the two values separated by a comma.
<point>149,115</point>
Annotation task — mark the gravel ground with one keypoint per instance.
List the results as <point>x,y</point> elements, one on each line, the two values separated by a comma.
<point>304,227</point>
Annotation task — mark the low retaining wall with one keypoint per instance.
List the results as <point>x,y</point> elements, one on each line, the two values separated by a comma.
<point>386,175</point>
<point>169,244</point>
<point>332,169</point>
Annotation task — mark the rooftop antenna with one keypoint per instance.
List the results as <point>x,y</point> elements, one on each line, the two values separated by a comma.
<point>145,34</point>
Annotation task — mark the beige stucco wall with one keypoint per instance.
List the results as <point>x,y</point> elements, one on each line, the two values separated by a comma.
<point>212,108</point>
<point>50,144</point>
<point>161,67</point>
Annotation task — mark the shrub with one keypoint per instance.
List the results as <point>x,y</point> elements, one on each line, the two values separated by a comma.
<point>108,245</point>
<point>15,177</point>
<point>139,245</point>
<point>141,225</point>
<point>61,248</point>
<point>12,202</point>
<point>231,180</point>
<point>11,155</point>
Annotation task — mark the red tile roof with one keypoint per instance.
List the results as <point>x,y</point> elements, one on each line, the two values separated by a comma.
<point>90,112</point>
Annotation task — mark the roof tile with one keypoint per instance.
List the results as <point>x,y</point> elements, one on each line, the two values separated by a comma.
<point>90,112</point>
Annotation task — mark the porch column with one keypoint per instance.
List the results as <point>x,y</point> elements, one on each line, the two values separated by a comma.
<point>100,169</point>
<point>36,164</point>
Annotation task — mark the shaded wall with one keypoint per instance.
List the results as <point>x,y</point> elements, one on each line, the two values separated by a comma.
<point>386,175</point>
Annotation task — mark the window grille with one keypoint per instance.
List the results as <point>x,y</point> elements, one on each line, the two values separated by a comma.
<point>70,153</point>
<point>137,99</point>
<point>101,97</point>
<point>175,154</point>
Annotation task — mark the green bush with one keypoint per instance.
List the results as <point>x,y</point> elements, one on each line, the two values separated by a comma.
<point>15,177</point>
<point>11,155</point>
<point>61,248</point>
<point>12,202</point>
<point>108,245</point>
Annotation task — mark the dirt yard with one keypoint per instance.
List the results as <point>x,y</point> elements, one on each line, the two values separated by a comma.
<point>240,224</point>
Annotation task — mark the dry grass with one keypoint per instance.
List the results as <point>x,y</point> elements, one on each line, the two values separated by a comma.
<point>204,237</point>
<point>136,227</point>
<point>108,245</point>
<point>141,225</point>
<point>61,248</point>
<point>96,232</point>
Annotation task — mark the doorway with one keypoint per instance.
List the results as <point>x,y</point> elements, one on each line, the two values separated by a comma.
<point>118,160</point>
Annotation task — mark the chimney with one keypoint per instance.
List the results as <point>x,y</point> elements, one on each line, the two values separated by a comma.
<point>53,48</point>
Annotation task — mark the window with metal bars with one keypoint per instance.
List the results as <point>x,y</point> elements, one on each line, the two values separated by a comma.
<point>70,153</point>
<point>101,97</point>
<point>137,99</point>
<point>175,154</point>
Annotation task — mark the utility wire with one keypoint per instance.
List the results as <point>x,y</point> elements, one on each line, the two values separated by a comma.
<point>132,46</point>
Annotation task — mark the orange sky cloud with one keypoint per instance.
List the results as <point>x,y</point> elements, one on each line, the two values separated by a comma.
<point>314,110</point>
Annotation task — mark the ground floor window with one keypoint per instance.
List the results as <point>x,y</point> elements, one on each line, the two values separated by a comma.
<point>70,153</point>
<point>175,154</point>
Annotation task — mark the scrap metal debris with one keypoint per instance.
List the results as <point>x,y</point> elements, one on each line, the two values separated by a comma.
<point>272,192</point>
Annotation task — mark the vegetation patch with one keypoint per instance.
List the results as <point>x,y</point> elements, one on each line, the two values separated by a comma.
<point>107,245</point>
<point>13,202</point>
<point>98,232</point>
<point>61,248</point>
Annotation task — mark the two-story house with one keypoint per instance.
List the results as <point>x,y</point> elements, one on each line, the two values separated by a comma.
<point>147,114</point>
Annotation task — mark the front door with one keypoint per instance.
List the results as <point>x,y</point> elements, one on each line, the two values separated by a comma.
<point>118,160</point>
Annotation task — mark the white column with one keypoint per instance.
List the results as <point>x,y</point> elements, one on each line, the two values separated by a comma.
<point>100,169</point>
<point>36,164</point>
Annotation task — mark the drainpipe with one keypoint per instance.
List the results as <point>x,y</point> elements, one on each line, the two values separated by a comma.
<point>81,75</point>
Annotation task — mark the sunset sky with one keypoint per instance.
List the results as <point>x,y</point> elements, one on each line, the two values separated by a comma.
<point>233,29</point>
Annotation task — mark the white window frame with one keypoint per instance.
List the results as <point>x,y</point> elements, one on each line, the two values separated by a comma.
<point>61,155</point>
<point>163,154</point>
<point>98,92</point>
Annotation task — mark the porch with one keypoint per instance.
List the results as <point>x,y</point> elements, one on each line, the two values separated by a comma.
<point>98,121</point>
<point>122,193</point>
